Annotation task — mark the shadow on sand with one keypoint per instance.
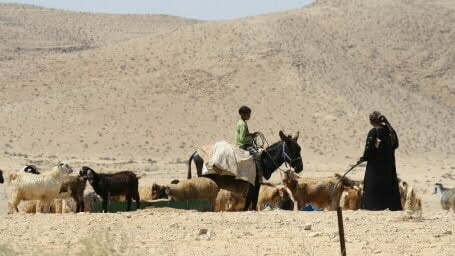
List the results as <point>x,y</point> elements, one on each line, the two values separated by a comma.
<point>199,205</point>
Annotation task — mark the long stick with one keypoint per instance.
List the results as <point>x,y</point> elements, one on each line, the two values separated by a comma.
<point>340,216</point>
<point>341,231</point>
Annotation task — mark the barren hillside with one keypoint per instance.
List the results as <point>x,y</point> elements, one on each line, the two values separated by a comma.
<point>34,31</point>
<point>319,70</point>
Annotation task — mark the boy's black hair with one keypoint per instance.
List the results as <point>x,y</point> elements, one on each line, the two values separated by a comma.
<point>244,110</point>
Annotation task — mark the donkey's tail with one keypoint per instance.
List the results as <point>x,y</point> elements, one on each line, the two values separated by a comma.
<point>189,165</point>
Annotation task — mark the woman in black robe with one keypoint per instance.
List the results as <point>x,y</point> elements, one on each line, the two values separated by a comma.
<point>380,185</point>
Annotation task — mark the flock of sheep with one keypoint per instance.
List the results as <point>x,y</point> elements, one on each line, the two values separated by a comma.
<point>57,191</point>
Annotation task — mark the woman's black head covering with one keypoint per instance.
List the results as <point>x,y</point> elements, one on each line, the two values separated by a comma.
<point>375,117</point>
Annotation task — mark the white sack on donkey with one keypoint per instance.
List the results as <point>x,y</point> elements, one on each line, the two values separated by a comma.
<point>223,158</point>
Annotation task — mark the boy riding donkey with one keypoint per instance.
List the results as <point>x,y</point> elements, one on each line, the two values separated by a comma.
<point>245,139</point>
<point>230,166</point>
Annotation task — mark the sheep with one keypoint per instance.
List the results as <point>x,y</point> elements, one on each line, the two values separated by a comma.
<point>351,198</point>
<point>44,187</point>
<point>228,201</point>
<point>409,200</point>
<point>57,206</point>
<point>197,188</point>
<point>274,197</point>
<point>74,186</point>
<point>413,203</point>
<point>145,193</point>
<point>1,177</point>
<point>447,196</point>
<point>323,192</point>
<point>63,205</point>
<point>30,169</point>
<point>121,183</point>
<point>159,192</point>
<point>90,201</point>
<point>269,195</point>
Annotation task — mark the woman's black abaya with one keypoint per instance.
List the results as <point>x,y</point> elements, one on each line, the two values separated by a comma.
<point>380,189</point>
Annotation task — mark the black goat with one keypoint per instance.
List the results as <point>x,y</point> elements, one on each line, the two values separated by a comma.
<point>31,169</point>
<point>1,177</point>
<point>121,183</point>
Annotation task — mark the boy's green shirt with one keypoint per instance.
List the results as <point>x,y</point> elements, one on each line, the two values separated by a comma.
<point>243,136</point>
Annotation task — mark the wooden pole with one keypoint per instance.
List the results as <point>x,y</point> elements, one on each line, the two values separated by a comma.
<point>340,215</point>
<point>341,231</point>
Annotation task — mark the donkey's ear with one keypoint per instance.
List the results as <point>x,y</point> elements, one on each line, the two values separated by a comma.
<point>296,137</point>
<point>283,136</point>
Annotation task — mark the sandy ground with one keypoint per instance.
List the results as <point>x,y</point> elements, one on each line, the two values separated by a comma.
<point>141,92</point>
<point>170,231</point>
<point>265,233</point>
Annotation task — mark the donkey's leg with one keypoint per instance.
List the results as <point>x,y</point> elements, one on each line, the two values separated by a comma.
<point>249,197</point>
<point>255,195</point>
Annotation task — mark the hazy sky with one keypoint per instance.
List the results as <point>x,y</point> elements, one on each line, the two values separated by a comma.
<point>198,9</point>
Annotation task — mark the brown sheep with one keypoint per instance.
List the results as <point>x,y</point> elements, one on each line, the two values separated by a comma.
<point>74,186</point>
<point>409,199</point>
<point>269,195</point>
<point>228,201</point>
<point>323,193</point>
<point>351,198</point>
<point>145,193</point>
<point>197,188</point>
<point>273,196</point>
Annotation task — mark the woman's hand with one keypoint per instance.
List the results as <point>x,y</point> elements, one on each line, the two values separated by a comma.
<point>361,160</point>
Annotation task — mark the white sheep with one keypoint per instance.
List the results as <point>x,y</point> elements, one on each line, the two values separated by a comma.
<point>447,196</point>
<point>59,205</point>
<point>44,187</point>
<point>63,205</point>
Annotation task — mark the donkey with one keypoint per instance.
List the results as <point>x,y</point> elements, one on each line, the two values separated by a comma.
<point>287,150</point>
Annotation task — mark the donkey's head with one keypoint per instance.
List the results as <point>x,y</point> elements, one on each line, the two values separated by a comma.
<point>291,151</point>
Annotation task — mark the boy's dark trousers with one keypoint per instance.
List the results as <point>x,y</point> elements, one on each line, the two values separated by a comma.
<point>253,151</point>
